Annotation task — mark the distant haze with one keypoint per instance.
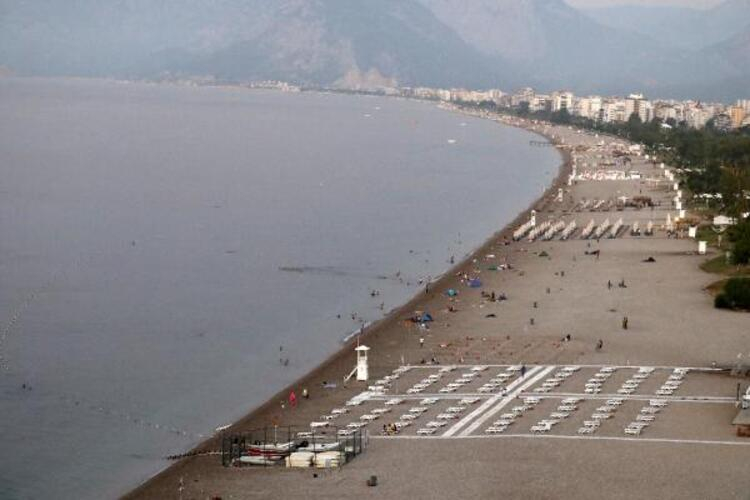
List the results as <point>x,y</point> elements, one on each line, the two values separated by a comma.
<point>664,48</point>
<point>696,4</point>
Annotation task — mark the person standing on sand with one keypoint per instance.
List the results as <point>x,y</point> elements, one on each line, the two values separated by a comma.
<point>599,345</point>
<point>523,371</point>
<point>421,342</point>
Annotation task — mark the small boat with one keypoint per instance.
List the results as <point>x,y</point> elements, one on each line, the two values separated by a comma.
<point>272,447</point>
<point>320,447</point>
<point>258,460</point>
<point>271,451</point>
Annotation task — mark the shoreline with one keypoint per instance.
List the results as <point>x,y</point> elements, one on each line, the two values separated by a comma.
<point>331,367</point>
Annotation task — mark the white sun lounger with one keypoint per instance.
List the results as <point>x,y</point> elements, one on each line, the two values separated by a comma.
<point>380,411</point>
<point>426,431</point>
<point>447,416</point>
<point>455,409</point>
<point>495,430</point>
<point>445,390</point>
<point>356,425</point>
<point>408,417</point>
<point>339,411</point>
<point>417,410</point>
<point>435,424</point>
<point>633,431</point>
<point>645,418</point>
<point>567,408</point>
<point>607,369</point>
<point>540,428</point>
<point>468,401</point>
<point>586,430</point>
<point>414,390</point>
<point>319,425</point>
<point>479,368</point>
<point>394,402</point>
<point>650,410</point>
<point>428,401</point>
<point>658,402</point>
<point>368,417</point>
<point>601,416</point>
<point>345,432</point>
<point>571,401</point>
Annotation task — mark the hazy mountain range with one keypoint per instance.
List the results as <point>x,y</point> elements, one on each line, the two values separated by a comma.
<point>663,52</point>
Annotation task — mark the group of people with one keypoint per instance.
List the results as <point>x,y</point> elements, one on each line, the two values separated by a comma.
<point>390,429</point>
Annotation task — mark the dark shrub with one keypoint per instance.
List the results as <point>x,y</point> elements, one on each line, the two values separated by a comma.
<point>721,302</point>
<point>736,293</point>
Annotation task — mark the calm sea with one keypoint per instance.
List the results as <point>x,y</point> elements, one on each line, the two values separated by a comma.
<point>142,232</point>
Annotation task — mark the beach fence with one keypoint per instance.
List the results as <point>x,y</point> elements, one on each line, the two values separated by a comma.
<point>293,447</point>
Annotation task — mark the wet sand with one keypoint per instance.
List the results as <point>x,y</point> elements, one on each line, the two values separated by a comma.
<point>671,322</point>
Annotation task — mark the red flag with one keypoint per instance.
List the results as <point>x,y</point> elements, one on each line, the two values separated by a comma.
<point>292,399</point>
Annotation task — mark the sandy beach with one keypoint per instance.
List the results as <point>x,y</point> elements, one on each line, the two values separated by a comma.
<point>554,289</point>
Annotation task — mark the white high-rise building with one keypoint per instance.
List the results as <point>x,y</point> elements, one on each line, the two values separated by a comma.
<point>562,100</point>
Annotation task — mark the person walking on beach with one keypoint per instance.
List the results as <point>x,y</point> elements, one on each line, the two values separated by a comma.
<point>523,371</point>
<point>599,345</point>
<point>625,323</point>
<point>421,342</point>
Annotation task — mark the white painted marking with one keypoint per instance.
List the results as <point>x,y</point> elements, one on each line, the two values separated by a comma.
<point>632,397</point>
<point>488,404</point>
<point>510,397</point>
<point>580,438</point>
<point>624,367</point>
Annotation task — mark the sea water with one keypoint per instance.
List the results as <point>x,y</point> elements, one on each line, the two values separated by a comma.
<point>164,250</point>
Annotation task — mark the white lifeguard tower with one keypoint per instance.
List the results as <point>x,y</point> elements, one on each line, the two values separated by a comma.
<point>362,369</point>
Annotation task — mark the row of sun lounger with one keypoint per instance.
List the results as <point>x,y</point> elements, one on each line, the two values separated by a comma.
<point>673,382</point>
<point>645,417</point>
<point>556,379</point>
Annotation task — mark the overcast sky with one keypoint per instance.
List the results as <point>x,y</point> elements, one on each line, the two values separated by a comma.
<point>700,4</point>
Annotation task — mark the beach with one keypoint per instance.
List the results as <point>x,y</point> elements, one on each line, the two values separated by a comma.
<point>629,301</point>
